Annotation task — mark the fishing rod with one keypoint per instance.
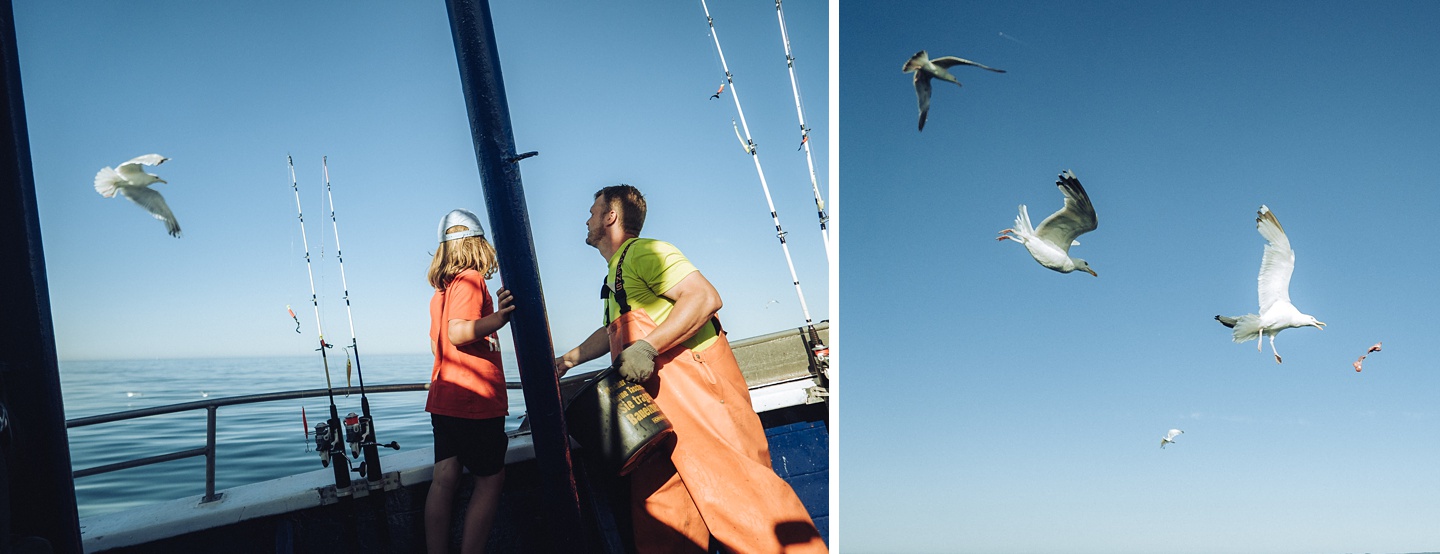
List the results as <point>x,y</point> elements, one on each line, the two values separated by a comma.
<point>329,441</point>
<point>804,131</point>
<point>816,347</point>
<point>359,431</point>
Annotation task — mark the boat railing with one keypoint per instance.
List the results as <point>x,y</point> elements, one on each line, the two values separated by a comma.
<point>211,407</point>
<point>782,363</point>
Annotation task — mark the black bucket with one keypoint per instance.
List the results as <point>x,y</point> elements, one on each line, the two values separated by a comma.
<point>617,422</point>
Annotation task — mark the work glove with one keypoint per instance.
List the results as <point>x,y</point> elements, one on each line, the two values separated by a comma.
<point>637,361</point>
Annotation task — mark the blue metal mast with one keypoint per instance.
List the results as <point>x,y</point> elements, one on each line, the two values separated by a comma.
<point>37,491</point>
<point>474,34</point>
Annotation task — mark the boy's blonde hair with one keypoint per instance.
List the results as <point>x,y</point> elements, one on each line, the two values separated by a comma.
<point>454,256</point>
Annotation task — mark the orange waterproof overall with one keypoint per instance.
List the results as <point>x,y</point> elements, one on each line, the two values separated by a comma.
<point>718,481</point>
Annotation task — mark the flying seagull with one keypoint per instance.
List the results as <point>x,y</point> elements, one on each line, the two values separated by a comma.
<point>1276,312</point>
<point>1169,437</point>
<point>926,68</point>
<point>132,182</point>
<point>1050,243</point>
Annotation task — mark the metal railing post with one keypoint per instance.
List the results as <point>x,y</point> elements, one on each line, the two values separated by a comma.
<point>210,455</point>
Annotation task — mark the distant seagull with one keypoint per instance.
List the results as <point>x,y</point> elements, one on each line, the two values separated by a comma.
<point>132,182</point>
<point>1169,437</point>
<point>926,68</point>
<point>1276,312</point>
<point>1050,243</point>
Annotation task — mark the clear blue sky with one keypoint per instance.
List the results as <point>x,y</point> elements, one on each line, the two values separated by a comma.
<point>991,405</point>
<point>607,93</point>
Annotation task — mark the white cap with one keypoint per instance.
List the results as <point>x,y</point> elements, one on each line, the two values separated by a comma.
<point>460,217</point>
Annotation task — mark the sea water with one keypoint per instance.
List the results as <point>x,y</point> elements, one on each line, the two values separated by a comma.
<point>254,442</point>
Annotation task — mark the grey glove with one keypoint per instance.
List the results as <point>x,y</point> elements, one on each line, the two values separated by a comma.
<point>637,361</point>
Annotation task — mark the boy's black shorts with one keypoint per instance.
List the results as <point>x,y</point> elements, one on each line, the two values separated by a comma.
<point>480,443</point>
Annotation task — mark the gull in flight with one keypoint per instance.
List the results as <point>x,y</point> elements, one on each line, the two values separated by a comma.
<point>1050,243</point>
<point>132,182</point>
<point>1276,312</point>
<point>1169,437</point>
<point>926,68</point>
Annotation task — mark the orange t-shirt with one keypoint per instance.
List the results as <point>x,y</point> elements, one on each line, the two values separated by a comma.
<point>467,381</point>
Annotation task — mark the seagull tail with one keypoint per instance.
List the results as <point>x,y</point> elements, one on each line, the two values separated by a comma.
<point>107,182</point>
<point>1247,327</point>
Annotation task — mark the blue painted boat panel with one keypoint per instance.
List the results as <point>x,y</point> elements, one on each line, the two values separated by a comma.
<point>800,454</point>
<point>799,448</point>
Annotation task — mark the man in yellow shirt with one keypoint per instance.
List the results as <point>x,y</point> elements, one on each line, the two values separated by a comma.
<point>661,329</point>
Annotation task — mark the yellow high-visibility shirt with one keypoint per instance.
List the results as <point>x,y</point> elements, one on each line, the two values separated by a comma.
<point>652,267</point>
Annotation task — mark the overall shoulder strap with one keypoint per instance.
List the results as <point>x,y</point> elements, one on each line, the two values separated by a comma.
<point>619,291</point>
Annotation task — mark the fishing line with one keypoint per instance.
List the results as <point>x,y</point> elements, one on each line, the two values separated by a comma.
<point>330,435</point>
<point>364,427</point>
<point>804,131</point>
<point>749,144</point>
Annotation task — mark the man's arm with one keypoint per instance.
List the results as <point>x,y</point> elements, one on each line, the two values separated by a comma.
<point>598,344</point>
<point>696,301</point>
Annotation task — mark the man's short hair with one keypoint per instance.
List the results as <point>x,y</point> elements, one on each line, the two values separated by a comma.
<point>628,203</point>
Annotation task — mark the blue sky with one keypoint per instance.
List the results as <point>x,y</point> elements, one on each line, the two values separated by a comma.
<point>606,93</point>
<point>992,405</point>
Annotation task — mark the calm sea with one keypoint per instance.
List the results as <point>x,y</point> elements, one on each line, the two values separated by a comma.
<point>254,442</point>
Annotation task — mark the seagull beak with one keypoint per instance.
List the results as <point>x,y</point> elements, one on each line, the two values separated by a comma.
<point>1320,325</point>
<point>1091,272</point>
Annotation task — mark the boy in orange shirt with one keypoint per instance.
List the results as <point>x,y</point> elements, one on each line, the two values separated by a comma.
<point>467,401</point>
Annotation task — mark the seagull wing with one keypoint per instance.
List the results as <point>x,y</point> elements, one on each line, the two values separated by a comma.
<point>915,62</point>
<point>148,159</point>
<point>134,172</point>
<point>1076,218</point>
<point>155,204</point>
<point>922,94</point>
<point>1278,262</point>
<point>1172,434</point>
<point>951,61</point>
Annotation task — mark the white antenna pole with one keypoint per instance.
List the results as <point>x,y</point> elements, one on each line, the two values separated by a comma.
<point>339,256</point>
<point>750,144</point>
<point>804,131</point>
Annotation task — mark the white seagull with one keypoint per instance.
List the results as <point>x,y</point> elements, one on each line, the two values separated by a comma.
<point>1169,437</point>
<point>926,68</point>
<point>1276,312</point>
<point>1050,243</point>
<point>132,182</point>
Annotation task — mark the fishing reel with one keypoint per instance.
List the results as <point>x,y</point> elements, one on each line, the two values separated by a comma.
<point>357,431</point>
<point>360,433</point>
<point>322,442</point>
<point>821,353</point>
<point>327,440</point>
